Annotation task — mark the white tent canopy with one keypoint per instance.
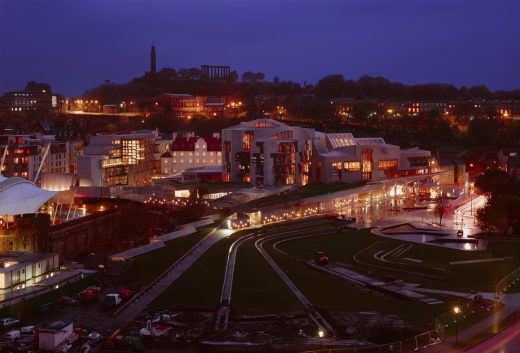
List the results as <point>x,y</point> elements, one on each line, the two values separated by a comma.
<point>20,196</point>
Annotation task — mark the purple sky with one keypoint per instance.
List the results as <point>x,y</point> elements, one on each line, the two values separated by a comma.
<point>75,45</point>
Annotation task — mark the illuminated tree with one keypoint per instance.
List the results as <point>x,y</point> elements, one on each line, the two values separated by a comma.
<point>441,206</point>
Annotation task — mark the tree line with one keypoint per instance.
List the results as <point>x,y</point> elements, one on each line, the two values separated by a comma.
<point>251,84</point>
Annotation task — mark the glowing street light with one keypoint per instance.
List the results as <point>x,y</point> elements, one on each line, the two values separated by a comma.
<point>456,311</point>
<point>321,334</point>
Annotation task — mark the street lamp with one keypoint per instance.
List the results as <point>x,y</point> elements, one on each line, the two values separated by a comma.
<point>456,311</point>
<point>321,334</point>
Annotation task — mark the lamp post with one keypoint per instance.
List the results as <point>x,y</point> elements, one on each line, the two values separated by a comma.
<point>321,334</point>
<point>456,311</point>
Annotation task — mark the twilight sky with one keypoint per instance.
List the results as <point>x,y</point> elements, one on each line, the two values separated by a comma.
<point>75,45</point>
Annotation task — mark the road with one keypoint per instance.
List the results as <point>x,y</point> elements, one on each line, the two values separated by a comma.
<point>137,305</point>
<point>507,341</point>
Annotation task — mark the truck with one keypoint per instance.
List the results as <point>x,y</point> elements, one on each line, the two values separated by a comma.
<point>89,295</point>
<point>111,301</point>
<point>126,294</point>
<point>321,258</point>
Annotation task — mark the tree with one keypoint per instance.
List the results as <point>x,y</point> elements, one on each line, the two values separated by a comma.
<point>502,210</point>
<point>501,213</point>
<point>276,80</point>
<point>233,76</point>
<point>190,74</point>
<point>441,206</point>
<point>330,86</point>
<point>494,183</point>
<point>259,76</point>
<point>250,76</point>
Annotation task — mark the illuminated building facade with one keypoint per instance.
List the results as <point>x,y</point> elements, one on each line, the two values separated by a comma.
<point>118,160</point>
<point>36,97</point>
<point>25,154</point>
<point>191,152</point>
<point>268,152</point>
<point>342,157</point>
<point>186,105</point>
<point>21,270</point>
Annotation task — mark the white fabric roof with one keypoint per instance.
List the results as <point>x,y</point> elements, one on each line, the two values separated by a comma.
<point>20,196</point>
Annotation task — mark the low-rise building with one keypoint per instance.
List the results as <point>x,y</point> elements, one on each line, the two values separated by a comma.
<point>21,270</point>
<point>190,151</point>
<point>56,336</point>
<point>268,152</point>
<point>454,172</point>
<point>36,97</point>
<point>187,105</point>
<point>25,154</point>
<point>118,159</point>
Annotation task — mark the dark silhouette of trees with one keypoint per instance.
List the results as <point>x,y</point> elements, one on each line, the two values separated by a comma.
<point>441,207</point>
<point>250,76</point>
<point>502,211</point>
<point>330,86</point>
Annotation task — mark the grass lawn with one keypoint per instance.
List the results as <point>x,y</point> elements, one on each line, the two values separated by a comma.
<point>25,308</point>
<point>309,190</point>
<point>257,289</point>
<point>200,286</point>
<point>342,246</point>
<point>326,292</point>
<point>146,268</point>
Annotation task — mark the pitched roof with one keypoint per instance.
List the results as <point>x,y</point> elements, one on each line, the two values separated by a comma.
<point>188,143</point>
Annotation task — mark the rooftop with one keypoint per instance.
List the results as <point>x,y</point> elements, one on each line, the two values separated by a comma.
<point>188,143</point>
<point>21,196</point>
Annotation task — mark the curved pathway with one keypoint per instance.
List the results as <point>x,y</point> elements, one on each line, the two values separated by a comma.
<point>314,314</point>
<point>222,315</point>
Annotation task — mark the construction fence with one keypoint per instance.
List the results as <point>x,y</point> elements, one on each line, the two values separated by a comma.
<point>408,345</point>
<point>505,283</point>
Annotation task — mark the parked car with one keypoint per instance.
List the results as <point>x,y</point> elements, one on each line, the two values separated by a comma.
<point>95,337</point>
<point>8,322</point>
<point>12,336</point>
<point>126,294</point>
<point>28,330</point>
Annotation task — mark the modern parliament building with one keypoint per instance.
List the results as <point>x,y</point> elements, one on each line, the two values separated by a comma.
<point>269,153</point>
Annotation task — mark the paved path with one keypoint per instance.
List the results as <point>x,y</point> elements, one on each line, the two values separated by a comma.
<point>222,315</point>
<point>447,346</point>
<point>134,307</point>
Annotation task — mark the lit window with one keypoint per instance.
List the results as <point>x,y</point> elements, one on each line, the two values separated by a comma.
<point>352,166</point>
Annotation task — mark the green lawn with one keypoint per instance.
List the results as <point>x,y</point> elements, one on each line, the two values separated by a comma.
<point>146,268</point>
<point>200,286</point>
<point>342,246</point>
<point>366,256</point>
<point>309,190</point>
<point>257,289</point>
<point>326,292</point>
